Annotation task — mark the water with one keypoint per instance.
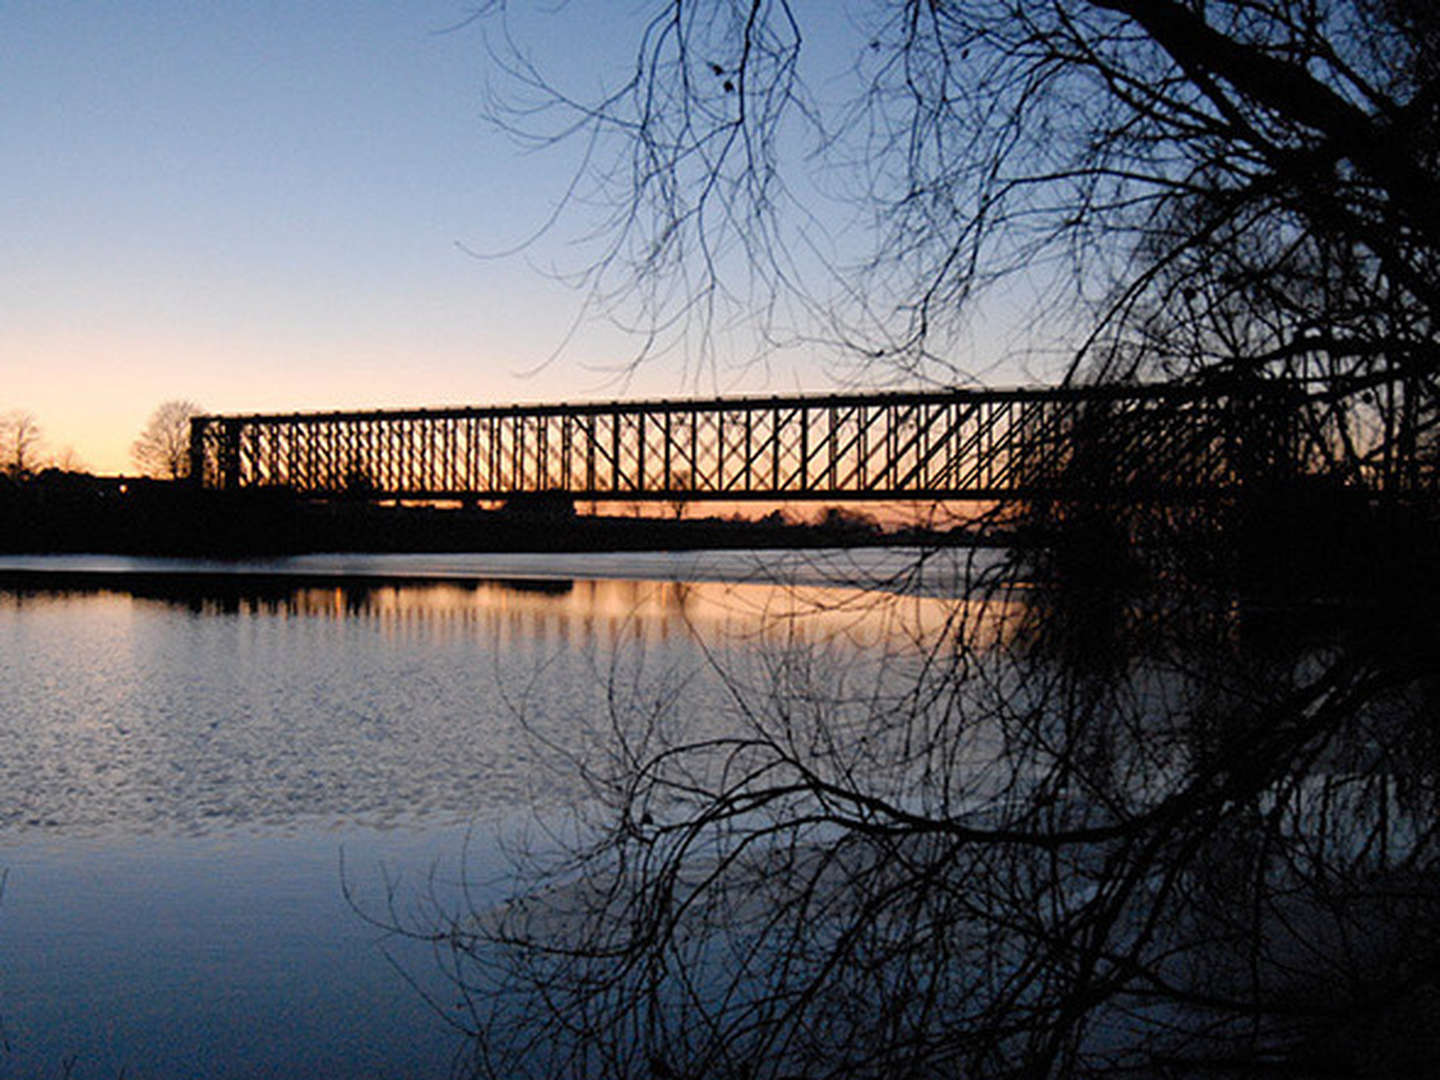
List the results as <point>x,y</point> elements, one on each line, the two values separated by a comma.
<point>210,772</point>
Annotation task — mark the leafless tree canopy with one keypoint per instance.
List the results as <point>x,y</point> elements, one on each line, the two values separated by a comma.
<point>163,448</point>
<point>1138,805</point>
<point>20,439</point>
<point>1198,187</point>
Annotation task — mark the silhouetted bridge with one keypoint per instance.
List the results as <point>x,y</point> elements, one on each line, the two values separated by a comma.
<point>1149,442</point>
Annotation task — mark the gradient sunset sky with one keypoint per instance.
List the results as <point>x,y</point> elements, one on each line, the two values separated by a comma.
<point>267,206</point>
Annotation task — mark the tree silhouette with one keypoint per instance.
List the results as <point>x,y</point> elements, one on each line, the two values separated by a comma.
<point>1109,815</point>
<point>1227,190</point>
<point>163,447</point>
<point>20,438</point>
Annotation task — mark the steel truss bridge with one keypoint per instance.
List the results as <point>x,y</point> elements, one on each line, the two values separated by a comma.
<point>1144,442</point>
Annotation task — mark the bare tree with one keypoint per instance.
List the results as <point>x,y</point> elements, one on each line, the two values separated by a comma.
<point>163,448</point>
<point>67,459</point>
<point>20,437</point>
<point>1120,820</point>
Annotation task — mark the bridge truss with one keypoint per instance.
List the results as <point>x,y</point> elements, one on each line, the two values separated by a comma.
<point>930,445</point>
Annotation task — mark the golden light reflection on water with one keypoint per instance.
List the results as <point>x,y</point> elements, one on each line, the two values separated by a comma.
<point>610,612</point>
<point>604,612</point>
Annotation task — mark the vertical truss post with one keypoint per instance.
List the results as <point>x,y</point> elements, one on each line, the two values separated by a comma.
<point>749,453</point>
<point>804,448</point>
<point>720,449</point>
<point>615,451</point>
<point>639,484</point>
<point>198,424</point>
<point>694,454</point>
<point>590,483</point>
<point>775,422</point>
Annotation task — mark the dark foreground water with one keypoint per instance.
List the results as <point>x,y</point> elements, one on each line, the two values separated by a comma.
<point>210,773</point>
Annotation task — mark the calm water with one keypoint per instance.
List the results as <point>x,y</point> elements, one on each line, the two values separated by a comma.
<point>205,769</point>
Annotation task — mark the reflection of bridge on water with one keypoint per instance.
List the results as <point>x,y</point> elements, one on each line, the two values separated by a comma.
<point>1141,441</point>
<point>524,616</point>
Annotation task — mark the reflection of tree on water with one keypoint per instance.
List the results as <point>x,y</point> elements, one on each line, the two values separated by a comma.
<point>1117,836</point>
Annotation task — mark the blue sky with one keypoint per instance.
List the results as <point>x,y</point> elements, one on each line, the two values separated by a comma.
<point>265,206</point>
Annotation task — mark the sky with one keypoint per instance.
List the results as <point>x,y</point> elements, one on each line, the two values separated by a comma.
<point>273,206</point>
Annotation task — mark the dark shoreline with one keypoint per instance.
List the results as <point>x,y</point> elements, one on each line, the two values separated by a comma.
<point>77,515</point>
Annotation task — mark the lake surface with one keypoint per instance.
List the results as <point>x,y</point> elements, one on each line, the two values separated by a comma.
<point>210,772</point>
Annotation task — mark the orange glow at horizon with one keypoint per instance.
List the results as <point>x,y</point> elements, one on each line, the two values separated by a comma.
<point>92,396</point>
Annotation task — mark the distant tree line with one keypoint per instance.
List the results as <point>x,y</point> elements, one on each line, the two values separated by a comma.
<point>161,451</point>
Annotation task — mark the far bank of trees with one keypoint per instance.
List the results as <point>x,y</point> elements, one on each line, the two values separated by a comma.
<point>160,452</point>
